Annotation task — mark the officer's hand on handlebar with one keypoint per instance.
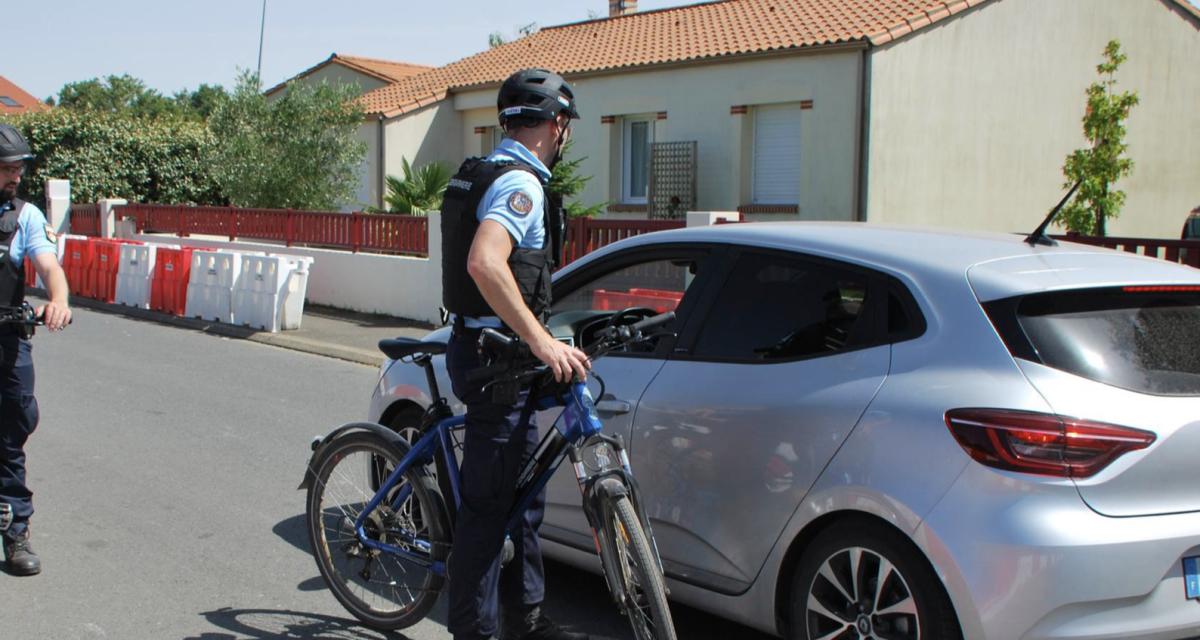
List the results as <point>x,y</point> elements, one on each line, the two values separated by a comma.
<point>565,361</point>
<point>55,315</point>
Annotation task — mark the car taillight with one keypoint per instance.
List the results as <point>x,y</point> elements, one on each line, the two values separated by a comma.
<point>1042,443</point>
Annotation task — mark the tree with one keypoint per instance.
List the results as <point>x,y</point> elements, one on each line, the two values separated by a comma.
<point>1097,167</point>
<point>420,191</point>
<point>565,182</point>
<point>117,155</point>
<point>116,94</point>
<point>299,150</point>
<point>203,102</point>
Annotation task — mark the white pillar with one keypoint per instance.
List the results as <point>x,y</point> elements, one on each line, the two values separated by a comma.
<point>709,218</point>
<point>433,267</point>
<point>58,205</point>
<point>108,217</point>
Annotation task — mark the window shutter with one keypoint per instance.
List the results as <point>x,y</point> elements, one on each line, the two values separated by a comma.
<point>777,154</point>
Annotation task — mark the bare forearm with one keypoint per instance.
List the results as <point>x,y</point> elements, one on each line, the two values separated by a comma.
<point>56,285</point>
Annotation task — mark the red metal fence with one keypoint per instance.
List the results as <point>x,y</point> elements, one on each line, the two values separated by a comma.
<point>85,219</point>
<point>384,233</point>
<point>585,235</point>
<point>400,234</point>
<point>1182,251</point>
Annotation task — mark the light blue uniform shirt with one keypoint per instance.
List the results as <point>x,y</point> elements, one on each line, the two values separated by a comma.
<point>30,237</point>
<point>516,201</point>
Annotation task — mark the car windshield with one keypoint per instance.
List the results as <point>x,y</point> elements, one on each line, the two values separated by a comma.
<point>1145,339</point>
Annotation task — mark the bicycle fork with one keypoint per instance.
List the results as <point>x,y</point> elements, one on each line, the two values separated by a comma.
<point>602,488</point>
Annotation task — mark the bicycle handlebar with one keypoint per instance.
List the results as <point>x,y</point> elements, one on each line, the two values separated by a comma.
<point>512,356</point>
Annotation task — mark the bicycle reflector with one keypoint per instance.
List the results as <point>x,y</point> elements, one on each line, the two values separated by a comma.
<point>1042,443</point>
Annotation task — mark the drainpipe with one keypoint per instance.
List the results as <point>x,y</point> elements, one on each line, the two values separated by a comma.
<point>864,122</point>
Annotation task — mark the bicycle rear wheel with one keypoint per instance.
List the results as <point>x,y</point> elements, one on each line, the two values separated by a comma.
<point>383,590</point>
<point>642,589</point>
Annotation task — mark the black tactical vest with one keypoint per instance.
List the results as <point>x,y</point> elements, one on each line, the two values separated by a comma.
<point>12,275</point>
<point>531,267</point>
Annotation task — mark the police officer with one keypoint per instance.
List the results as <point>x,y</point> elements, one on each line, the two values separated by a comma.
<point>502,236</point>
<point>23,232</point>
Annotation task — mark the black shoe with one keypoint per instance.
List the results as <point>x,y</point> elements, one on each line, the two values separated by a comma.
<point>22,561</point>
<point>542,628</point>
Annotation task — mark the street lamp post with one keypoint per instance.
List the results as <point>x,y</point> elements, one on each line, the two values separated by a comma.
<point>261,28</point>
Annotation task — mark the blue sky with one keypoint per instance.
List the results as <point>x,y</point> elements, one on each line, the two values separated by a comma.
<point>177,44</point>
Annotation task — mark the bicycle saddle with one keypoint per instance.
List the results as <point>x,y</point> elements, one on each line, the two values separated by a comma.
<point>396,348</point>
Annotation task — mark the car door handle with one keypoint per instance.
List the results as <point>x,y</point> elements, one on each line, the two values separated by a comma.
<point>613,406</point>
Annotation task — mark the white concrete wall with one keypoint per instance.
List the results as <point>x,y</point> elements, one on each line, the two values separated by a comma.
<point>972,119</point>
<point>400,286</point>
<point>697,99</point>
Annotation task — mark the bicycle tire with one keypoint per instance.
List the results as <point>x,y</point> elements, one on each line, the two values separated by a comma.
<point>643,593</point>
<point>382,590</point>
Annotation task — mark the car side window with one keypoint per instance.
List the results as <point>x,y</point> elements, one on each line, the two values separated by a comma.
<point>775,307</point>
<point>658,285</point>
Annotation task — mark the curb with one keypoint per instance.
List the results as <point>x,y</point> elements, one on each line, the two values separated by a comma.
<point>280,339</point>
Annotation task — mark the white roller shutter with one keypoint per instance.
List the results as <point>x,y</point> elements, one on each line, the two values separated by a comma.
<point>777,154</point>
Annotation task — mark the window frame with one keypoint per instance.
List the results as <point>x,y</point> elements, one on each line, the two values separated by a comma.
<point>754,149</point>
<point>709,257</point>
<point>871,331</point>
<point>627,123</point>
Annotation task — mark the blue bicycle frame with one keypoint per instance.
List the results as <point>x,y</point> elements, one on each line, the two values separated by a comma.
<point>577,423</point>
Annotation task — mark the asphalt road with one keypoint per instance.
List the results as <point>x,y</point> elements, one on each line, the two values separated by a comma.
<point>165,472</point>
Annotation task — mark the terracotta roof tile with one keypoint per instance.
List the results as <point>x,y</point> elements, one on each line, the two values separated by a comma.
<point>701,31</point>
<point>24,101</point>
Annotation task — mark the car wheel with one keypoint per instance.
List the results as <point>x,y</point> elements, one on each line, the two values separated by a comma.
<point>859,581</point>
<point>407,423</point>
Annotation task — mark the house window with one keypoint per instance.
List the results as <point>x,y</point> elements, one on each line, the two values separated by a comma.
<point>776,168</point>
<point>491,139</point>
<point>637,134</point>
<point>8,102</point>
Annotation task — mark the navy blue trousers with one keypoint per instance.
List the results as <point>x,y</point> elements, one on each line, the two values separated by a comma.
<point>492,455</point>
<point>18,419</point>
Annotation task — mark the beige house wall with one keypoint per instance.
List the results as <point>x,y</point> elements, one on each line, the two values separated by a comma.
<point>972,119</point>
<point>697,101</point>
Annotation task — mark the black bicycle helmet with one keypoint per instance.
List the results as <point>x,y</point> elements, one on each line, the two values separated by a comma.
<point>535,93</point>
<point>13,147</point>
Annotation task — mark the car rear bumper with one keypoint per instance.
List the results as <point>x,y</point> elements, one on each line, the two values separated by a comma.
<point>1028,559</point>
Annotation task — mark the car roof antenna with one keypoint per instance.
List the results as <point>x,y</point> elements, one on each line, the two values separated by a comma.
<point>1039,235</point>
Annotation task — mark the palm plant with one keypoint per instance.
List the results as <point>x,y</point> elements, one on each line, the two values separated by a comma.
<point>420,191</point>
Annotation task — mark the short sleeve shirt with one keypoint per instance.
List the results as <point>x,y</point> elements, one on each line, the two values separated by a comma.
<point>30,237</point>
<point>516,199</point>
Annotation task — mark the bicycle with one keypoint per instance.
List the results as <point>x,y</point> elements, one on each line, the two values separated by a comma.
<point>379,523</point>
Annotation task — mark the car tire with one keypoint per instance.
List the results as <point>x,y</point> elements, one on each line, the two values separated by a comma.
<point>407,424</point>
<point>837,586</point>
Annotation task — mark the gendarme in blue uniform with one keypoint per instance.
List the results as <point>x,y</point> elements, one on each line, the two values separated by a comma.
<point>18,406</point>
<point>515,200</point>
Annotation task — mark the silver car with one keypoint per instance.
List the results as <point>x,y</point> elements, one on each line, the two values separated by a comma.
<point>857,431</point>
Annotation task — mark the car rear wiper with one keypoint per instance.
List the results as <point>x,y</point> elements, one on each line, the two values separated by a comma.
<point>1039,235</point>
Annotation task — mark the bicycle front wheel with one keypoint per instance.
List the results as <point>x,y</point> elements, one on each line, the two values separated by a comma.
<point>639,581</point>
<point>383,590</point>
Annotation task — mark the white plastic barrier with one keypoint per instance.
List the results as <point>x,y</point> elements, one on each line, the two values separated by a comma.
<point>134,271</point>
<point>210,285</point>
<point>270,292</point>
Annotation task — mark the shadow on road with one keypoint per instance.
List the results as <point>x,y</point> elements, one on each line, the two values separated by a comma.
<point>293,532</point>
<point>275,624</point>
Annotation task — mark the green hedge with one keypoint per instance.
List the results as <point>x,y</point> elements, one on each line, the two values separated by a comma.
<point>107,155</point>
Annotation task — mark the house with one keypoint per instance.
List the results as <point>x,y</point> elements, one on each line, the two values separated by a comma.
<point>951,113</point>
<point>14,99</point>
<point>368,73</point>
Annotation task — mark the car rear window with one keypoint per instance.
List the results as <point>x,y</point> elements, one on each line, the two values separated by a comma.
<point>1144,339</point>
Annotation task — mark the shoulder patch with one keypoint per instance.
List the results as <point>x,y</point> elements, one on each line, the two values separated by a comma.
<point>50,235</point>
<point>520,203</point>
